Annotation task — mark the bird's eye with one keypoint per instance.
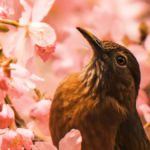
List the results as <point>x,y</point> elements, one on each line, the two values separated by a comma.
<point>121,60</point>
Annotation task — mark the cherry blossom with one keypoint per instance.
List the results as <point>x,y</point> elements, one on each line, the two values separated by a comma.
<point>71,141</point>
<point>23,76</point>
<point>6,116</point>
<point>15,140</point>
<point>40,110</point>
<point>32,32</point>
<point>20,81</point>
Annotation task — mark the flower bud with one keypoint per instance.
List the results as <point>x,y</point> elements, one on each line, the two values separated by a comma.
<point>3,28</point>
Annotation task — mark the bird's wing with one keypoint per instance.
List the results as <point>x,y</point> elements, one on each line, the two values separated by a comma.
<point>61,110</point>
<point>131,135</point>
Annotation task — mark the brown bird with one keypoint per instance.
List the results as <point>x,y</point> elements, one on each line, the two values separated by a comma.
<point>100,100</point>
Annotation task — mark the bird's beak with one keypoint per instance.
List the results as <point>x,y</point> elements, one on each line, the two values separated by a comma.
<point>95,43</point>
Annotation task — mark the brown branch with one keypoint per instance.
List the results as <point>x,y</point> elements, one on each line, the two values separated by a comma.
<point>19,121</point>
<point>10,22</point>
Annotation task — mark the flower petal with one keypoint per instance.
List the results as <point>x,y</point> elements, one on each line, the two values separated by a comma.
<point>11,140</point>
<point>41,33</point>
<point>36,78</point>
<point>71,141</point>
<point>41,109</point>
<point>40,9</point>
<point>19,71</point>
<point>16,43</point>
<point>24,20</point>
<point>45,52</point>
<point>3,113</point>
<point>27,137</point>
<point>6,116</point>
<point>43,146</point>
<point>10,113</point>
<point>26,133</point>
<point>23,105</point>
<point>28,54</point>
<point>31,125</point>
<point>16,89</point>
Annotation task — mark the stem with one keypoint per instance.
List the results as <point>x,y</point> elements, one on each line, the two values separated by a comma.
<point>13,126</point>
<point>146,125</point>
<point>19,121</point>
<point>10,22</point>
<point>37,91</point>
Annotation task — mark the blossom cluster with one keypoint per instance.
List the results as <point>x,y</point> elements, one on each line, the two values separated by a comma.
<point>39,46</point>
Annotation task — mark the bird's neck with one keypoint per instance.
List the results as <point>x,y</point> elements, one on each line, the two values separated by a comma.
<point>97,85</point>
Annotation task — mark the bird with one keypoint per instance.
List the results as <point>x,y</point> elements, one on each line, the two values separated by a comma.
<point>100,101</point>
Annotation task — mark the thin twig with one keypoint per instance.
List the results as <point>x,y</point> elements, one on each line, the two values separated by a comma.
<point>19,121</point>
<point>37,91</point>
<point>10,22</point>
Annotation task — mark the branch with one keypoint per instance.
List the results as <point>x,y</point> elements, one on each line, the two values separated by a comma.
<point>10,22</point>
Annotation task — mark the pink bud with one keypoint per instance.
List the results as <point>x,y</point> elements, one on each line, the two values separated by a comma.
<point>40,111</point>
<point>6,116</point>
<point>45,52</point>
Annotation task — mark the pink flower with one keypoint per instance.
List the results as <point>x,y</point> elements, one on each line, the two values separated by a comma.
<point>71,141</point>
<point>40,110</point>
<point>3,13</point>
<point>32,32</point>
<point>21,80</point>
<point>15,140</point>
<point>146,111</point>
<point>45,52</point>
<point>6,116</point>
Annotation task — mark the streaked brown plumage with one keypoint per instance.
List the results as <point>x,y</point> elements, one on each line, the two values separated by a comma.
<point>100,101</point>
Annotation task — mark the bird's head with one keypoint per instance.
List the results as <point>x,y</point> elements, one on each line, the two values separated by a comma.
<point>112,71</point>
